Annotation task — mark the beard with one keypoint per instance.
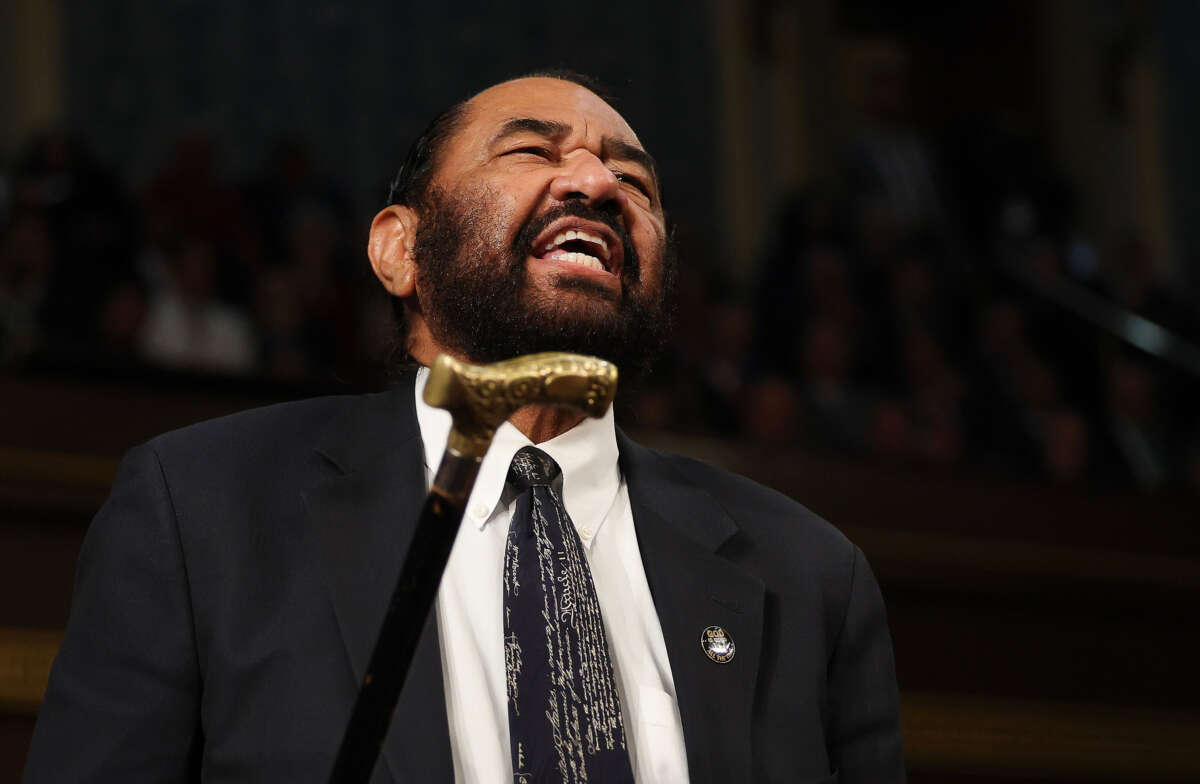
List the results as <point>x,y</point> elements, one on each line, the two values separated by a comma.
<point>478,302</point>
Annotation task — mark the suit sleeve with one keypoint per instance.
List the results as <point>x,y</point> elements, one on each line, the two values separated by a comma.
<point>122,704</point>
<point>864,736</point>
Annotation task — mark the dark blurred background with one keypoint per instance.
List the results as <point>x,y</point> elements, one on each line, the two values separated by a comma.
<point>941,283</point>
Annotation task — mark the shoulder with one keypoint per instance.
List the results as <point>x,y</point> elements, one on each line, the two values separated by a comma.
<point>278,447</point>
<point>807,565</point>
<point>767,520</point>
<point>282,427</point>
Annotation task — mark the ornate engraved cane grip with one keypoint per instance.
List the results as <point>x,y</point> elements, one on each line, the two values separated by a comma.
<point>481,397</point>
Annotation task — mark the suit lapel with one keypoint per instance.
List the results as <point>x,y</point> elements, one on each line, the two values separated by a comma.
<point>680,528</point>
<point>363,516</point>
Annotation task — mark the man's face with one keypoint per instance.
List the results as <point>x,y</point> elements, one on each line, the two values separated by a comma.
<point>543,230</point>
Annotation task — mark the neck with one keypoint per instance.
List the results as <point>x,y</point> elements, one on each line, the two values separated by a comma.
<point>542,423</point>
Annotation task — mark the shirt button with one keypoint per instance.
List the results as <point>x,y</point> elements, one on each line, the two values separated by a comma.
<point>479,511</point>
<point>585,532</point>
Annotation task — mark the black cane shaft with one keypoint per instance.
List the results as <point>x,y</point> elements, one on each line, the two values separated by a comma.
<point>404,620</point>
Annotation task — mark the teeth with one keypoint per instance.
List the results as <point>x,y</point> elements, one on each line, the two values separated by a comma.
<point>598,240</point>
<point>573,234</point>
<point>582,258</point>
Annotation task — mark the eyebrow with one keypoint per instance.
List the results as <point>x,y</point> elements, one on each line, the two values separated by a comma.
<point>548,128</point>
<point>624,151</point>
<point>551,129</point>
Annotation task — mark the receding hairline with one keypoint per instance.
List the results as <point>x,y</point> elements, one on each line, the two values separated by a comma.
<point>536,78</point>
<point>467,106</point>
<point>424,156</point>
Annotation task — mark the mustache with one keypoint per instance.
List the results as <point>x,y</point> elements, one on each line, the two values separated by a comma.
<point>576,208</point>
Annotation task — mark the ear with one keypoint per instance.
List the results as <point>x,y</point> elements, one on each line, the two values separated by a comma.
<point>390,249</point>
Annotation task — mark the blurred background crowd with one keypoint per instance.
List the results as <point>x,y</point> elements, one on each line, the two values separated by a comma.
<point>187,270</point>
<point>940,282</point>
<point>909,301</point>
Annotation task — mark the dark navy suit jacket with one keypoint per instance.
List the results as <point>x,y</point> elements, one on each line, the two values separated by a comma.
<point>229,592</point>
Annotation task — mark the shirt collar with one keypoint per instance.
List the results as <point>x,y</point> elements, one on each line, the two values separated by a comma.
<point>587,455</point>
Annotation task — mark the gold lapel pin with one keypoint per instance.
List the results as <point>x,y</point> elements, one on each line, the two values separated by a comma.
<point>717,644</point>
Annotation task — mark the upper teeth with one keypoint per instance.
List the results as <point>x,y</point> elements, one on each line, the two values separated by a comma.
<point>575,234</point>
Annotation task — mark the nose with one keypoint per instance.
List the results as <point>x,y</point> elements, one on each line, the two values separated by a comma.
<point>584,176</point>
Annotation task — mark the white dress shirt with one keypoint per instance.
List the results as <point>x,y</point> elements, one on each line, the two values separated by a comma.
<point>470,602</point>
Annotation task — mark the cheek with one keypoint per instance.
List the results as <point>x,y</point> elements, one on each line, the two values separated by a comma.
<point>506,212</point>
<point>511,191</point>
<point>649,237</point>
<point>491,224</point>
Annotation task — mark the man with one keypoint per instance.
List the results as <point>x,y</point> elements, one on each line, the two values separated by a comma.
<point>230,590</point>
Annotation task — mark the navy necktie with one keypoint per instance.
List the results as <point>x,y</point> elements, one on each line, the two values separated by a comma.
<point>564,712</point>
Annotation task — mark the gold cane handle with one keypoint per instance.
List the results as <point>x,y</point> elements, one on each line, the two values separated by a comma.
<point>481,397</point>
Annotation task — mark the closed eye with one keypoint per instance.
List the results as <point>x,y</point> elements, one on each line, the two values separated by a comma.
<point>541,152</point>
<point>633,180</point>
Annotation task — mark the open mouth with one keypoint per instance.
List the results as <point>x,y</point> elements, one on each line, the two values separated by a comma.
<point>575,241</point>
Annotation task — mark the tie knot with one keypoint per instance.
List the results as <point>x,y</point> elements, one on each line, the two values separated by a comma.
<point>530,467</point>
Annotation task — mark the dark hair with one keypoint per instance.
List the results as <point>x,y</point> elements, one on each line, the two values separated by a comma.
<point>412,180</point>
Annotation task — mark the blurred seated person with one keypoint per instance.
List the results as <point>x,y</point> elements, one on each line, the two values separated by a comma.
<point>188,327</point>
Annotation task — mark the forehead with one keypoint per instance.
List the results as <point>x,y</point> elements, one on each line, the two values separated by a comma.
<point>546,99</point>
